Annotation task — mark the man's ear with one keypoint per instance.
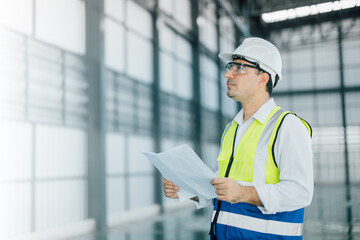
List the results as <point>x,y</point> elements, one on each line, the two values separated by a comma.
<point>264,78</point>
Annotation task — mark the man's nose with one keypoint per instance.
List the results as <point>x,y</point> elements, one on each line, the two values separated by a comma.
<point>228,74</point>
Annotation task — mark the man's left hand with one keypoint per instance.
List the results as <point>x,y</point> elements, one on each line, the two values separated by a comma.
<point>227,189</point>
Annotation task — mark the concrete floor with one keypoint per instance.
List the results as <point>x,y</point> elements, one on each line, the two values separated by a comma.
<point>186,225</point>
<point>326,219</point>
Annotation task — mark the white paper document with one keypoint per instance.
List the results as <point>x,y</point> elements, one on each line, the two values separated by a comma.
<point>184,168</point>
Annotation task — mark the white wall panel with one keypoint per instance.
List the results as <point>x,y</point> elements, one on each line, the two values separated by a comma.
<point>208,34</point>
<point>208,67</point>
<point>115,153</point>
<point>285,102</point>
<point>140,58</point>
<point>114,45</point>
<point>15,209</point>
<point>209,94</point>
<point>354,165</point>
<point>304,106</point>
<point>329,167</point>
<point>62,23</point>
<point>115,9</point>
<point>167,143</point>
<point>302,79</point>
<point>17,15</point>
<point>137,161</point>
<point>301,58</point>
<point>16,150</point>
<point>329,109</point>
<point>167,73</point>
<point>326,54</point>
<point>284,84</point>
<point>210,154</point>
<point>59,203</point>
<point>166,38</point>
<point>60,151</point>
<point>351,51</point>
<point>184,81</point>
<point>326,78</point>
<point>116,195</point>
<point>352,101</point>
<point>141,191</point>
<point>139,19</point>
<point>350,75</point>
<point>166,6</point>
<point>183,49</point>
<point>183,12</point>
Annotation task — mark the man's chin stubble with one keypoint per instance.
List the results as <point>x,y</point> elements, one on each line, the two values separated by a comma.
<point>229,95</point>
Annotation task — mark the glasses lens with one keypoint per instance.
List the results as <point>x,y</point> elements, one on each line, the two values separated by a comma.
<point>236,68</point>
<point>228,66</point>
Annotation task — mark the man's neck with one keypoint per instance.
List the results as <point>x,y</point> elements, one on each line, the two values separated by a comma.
<point>251,107</point>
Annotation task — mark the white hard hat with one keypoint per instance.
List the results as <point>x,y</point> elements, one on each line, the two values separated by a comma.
<point>261,52</point>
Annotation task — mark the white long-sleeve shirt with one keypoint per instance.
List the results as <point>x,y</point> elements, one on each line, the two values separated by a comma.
<point>293,155</point>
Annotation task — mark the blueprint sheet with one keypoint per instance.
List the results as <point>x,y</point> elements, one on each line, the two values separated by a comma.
<point>184,168</point>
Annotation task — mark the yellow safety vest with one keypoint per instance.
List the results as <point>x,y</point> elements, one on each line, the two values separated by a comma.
<point>258,141</point>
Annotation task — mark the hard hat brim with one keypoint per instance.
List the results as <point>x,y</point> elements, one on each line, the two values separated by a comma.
<point>227,57</point>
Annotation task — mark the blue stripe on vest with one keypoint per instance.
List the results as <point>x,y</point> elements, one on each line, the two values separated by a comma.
<point>229,232</point>
<point>250,210</point>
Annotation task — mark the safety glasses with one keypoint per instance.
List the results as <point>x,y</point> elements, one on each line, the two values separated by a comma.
<point>237,68</point>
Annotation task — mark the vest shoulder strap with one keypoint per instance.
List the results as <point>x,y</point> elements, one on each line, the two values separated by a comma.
<point>225,131</point>
<point>277,128</point>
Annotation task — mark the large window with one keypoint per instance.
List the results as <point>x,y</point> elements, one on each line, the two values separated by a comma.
<point>175,64</point>
<point>17,15</point>
<point>128,45</point>
<point>43,115</point>
<point>49,114</point>
<point>209,83</point>
<point>129,107</point>
<point>179,10</point>
<point>207,25</point>
<point>176,84</point>
<point>62,23</point>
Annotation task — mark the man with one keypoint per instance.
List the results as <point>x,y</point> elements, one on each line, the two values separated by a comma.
<point>265,176</point>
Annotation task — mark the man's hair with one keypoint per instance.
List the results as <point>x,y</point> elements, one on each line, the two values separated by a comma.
<point>269,86</point>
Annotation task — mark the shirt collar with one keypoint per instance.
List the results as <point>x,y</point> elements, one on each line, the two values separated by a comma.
<point>261,114</point>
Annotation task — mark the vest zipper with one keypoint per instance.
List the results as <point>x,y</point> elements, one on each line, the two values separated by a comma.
<point>213,224</point>
<point>229,166</point>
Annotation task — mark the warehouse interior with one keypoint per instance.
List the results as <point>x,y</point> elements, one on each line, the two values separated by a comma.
<point>86,86</point>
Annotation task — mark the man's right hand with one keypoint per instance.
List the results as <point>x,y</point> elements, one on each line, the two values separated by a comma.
<point>170,189</point>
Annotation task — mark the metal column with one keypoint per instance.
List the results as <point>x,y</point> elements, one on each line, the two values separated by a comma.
<point>197,126</point>
<point>346,153</point>
<point>156,104</point>
<point>221,80</point>
<point>97,120</point>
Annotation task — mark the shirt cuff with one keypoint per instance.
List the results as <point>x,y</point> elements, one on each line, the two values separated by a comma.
<point>184,195</point>
<point>264,193</point>
<point>203,203</point>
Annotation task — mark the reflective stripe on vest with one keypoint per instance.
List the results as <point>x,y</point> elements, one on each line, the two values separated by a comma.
<point>260,225</point>
<point>246,221</point>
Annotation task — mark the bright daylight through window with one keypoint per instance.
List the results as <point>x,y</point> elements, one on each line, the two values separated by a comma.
<point>304,11</point>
